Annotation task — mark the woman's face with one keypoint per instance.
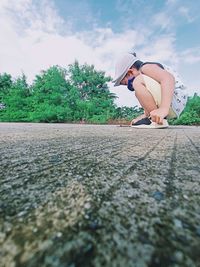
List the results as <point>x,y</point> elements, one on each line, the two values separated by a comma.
<point>130,74</point>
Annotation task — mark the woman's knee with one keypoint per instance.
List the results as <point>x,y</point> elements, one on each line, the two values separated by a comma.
<point>143,95</point>
<point>138,83</point>
<point>139,86</point>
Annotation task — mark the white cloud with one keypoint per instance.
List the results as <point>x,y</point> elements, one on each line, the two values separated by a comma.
<point>184,11</point>
<point>163,20</point>
<point>171,2</point>
<point>190,56</point>
<point>161,49</point>
<point>32,40</point>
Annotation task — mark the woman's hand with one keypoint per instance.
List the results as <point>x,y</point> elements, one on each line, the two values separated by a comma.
<point>157,115</point>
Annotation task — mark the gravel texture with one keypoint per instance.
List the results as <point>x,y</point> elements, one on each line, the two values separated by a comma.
<point>90,195</point>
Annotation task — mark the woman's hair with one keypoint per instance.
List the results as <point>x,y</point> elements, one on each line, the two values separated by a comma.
<point>137,65</point>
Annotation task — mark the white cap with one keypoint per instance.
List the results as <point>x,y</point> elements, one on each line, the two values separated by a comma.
<point>122,66</point>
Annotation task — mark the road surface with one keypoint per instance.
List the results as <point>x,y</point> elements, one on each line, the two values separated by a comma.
<point>91,195</point>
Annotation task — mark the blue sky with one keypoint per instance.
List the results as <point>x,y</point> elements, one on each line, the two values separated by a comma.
<point>37,34</point>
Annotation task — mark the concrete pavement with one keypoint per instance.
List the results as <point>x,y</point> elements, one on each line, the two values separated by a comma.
<point>91,195</point>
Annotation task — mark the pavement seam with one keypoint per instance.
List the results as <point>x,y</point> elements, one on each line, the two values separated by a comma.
<point>171,172</point>
<point>196,148</point>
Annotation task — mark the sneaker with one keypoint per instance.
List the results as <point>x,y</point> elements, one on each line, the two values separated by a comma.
<point>147,123</point>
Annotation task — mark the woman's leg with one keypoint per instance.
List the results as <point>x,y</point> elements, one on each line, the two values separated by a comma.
<point>143,95</point>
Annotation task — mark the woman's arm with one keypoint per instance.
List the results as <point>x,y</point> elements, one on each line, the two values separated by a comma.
<point>167,83</point>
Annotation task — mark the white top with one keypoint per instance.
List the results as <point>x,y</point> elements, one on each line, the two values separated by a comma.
<point>180,96</point>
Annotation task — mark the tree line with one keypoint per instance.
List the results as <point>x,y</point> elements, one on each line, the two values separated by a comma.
<point>78,93</point>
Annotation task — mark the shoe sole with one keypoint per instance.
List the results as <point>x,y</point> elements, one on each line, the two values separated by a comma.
<point>153,125</point>
<point>149,127</point>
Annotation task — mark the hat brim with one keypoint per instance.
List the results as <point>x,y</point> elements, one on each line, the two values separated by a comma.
<point>118,79</point>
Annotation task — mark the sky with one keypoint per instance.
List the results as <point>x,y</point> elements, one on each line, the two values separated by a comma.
<point>36,34</point>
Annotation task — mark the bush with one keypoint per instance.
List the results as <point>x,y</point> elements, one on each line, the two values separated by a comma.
<point>48,113</point>
<point>188,118</point>
<point>191,114</point>
<point>98,119</point>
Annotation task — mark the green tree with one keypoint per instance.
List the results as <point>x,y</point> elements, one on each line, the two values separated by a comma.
<point>16,100</point>
<point>50,93</point>
<point>5,85</point>
<point>95,102</point>
<point>87,80</point>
